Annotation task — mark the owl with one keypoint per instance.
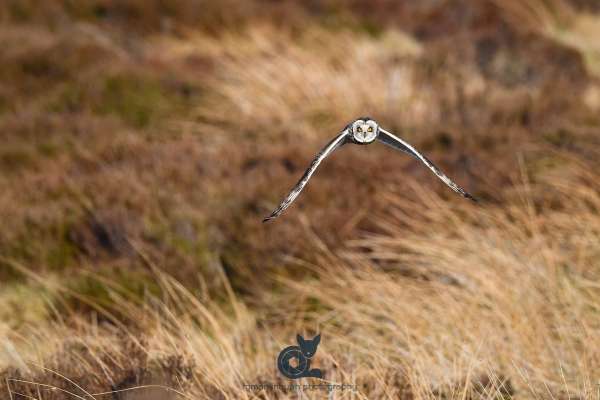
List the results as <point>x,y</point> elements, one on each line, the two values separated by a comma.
<point>362,131</point>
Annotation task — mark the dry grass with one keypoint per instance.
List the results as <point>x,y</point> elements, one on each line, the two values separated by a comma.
<point>141,151</point>
<point>499,301</point>
<point>560,22</point>
<point>322,77</point>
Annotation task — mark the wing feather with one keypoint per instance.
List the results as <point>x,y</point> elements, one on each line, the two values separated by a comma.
<point>338,141</point>
<point>395,142</point>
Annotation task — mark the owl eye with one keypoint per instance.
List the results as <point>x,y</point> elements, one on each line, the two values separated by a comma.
<point>370,129</point>
<point>359,129</point>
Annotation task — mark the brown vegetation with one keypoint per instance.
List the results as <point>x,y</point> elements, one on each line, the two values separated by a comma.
<point>143,142</point>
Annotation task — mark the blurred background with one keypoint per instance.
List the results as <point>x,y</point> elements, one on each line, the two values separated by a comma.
<point>142,143</point>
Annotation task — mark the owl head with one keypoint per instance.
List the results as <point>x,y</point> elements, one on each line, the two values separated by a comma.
<point>364,130</point>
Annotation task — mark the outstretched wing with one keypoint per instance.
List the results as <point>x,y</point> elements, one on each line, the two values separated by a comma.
<point>391,140</point>
<point>340,140</point>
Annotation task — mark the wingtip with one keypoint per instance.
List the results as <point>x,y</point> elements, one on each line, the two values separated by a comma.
<point>473,199</point>
<point>271,216</point>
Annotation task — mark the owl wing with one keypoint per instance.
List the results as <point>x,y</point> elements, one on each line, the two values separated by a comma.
<point>338,141</point>
<point>395,142</point>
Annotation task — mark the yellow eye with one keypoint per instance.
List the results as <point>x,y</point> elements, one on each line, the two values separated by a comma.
<point>370,129</point>
<point>359,129</point>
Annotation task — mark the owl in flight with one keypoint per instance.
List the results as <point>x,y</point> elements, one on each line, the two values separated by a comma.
<point>362,131</point>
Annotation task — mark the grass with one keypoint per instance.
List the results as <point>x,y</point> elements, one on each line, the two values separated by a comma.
<point>501,301</point>
<point>144,142</point>
<point>557,20</point>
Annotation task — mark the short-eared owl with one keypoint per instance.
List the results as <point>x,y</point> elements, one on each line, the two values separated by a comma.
<point>363,131</point>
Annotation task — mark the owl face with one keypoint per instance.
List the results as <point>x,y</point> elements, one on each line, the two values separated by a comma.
<point>364,131</point>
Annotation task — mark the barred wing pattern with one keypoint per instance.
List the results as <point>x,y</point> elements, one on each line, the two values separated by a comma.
<point>395,142</point>
<point>340,140</point>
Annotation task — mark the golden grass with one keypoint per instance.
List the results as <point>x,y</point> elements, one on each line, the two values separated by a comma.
<point>449,299</point>
<point>557,20</point>
<point>321,77</point>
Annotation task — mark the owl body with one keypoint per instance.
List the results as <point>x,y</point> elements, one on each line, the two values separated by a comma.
<point>364,130</point>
